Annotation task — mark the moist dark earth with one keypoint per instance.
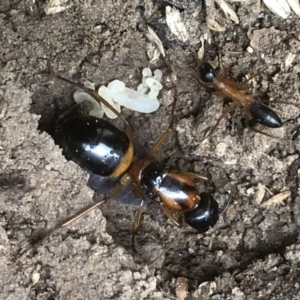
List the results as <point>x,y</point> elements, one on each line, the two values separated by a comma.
<point>253,252</point>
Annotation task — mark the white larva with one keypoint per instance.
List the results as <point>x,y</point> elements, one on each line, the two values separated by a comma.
<point>143,99</point>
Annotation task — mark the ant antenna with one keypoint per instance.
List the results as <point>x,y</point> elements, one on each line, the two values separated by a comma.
<point>228,202</point>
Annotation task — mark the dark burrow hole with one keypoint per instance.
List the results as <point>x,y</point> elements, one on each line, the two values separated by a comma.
<point>50,104</point>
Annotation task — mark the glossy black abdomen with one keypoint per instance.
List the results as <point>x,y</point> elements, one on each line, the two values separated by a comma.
<point>265,115</point>
<point>94,144</point>
<point>205,215</point>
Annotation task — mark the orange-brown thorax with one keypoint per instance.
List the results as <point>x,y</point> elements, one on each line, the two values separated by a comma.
<point>229,89</point>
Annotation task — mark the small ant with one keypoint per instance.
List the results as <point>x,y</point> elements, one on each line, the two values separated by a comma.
<point>102,149</point>
<point>254,110</point>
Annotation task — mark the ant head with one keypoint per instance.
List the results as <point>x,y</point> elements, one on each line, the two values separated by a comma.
<point>205,215</point>
<point>207,73</point>
<point>264,115</point>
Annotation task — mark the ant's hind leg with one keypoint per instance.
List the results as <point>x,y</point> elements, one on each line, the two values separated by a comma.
<point>254,74</point>
<point>283,102</point>
<point>263,133</point>
<point>178,221</point>
<point>260,131</point>
<point>59,225</point>
<point>193,176</point>
<point>137,223</point>
<point>79,214</point>
<point>229,109</point>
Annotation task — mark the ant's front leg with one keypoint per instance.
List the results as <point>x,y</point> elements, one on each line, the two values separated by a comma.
<point>229,109</point>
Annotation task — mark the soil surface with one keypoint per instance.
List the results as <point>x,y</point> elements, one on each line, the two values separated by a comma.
<point>253,252</point>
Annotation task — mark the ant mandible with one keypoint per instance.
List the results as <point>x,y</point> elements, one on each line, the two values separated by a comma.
<point>102,149</point>
<point>227,88</point>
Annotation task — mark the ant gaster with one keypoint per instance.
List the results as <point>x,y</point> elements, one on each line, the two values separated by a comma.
<point>227,88</point>
<point>102,149</point>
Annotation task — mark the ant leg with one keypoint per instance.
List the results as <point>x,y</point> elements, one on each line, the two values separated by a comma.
<point>259,72</point>
<point>283,102</point>
<point>61,224</point>
<point>192,175</point>
<point>137,222</point>
<point>165,135</point>
<point>226,206</point>
<point>177,221</point>
<point>208,180</point>
<point>230,108</point>
<point>261,132</point>
<point>82,212</point>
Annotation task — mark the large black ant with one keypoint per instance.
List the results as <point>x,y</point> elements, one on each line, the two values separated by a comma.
<point>254,110</point>
<point>102,149</point>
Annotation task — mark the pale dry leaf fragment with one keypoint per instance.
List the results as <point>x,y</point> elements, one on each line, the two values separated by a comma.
<point>228,11</point>
<point>175,23</point>
<point>56,6</point>
<point>278,7</point>
<point>152,37</point>
<point>261,190</point>
<point>289,59</point>
<point>154,57</point>
<point>153,54</point>
<point>295,6</point>
<point>214,25</point>
<point>277,199</point>
<point>200,54</point>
